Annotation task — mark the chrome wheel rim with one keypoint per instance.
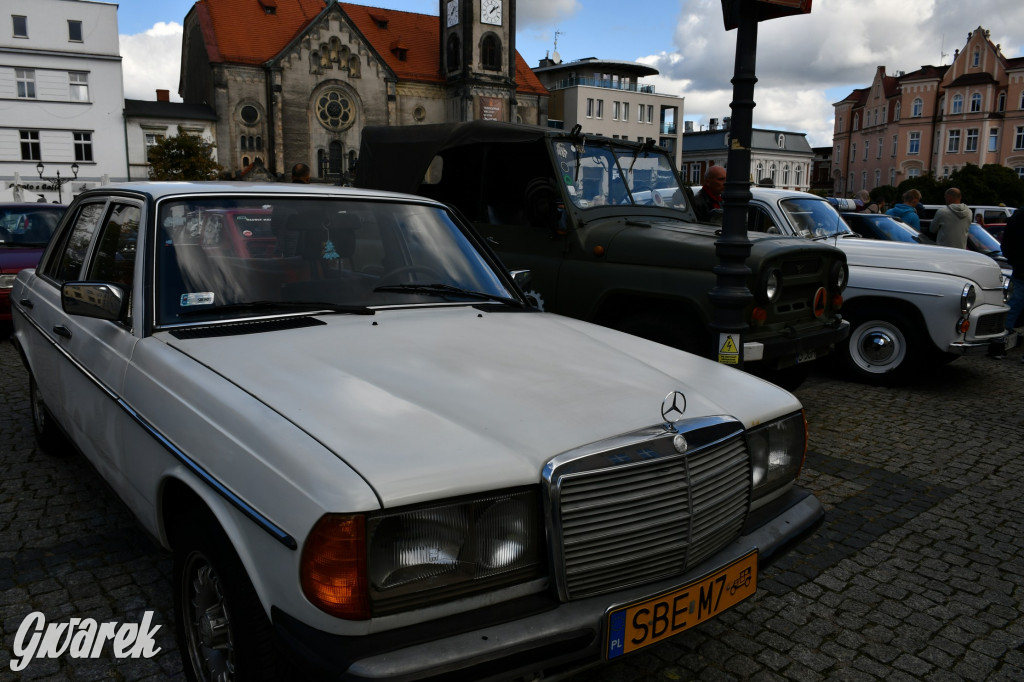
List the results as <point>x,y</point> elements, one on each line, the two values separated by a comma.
<point>207,622</point>
<point>877,347</point>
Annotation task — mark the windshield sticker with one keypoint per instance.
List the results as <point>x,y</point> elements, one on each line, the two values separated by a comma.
<point>202,298</point>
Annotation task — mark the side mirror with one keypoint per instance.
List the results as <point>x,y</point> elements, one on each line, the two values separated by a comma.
<point>93,299</point>
<point>522,278</point>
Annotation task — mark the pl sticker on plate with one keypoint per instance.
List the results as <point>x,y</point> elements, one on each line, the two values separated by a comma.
<point>202,298</point>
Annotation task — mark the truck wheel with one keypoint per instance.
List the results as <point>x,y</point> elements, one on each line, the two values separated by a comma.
<point>222,629</point>
<point>883,346</point>
<point>49,437</point>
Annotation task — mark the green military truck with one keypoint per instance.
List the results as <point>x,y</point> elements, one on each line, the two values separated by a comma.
<point>609,236</point>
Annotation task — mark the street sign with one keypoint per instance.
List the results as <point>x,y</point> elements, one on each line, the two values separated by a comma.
<point>764,9</point>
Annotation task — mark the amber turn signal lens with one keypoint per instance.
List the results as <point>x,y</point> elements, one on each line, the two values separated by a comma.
<point>837,302</point>
<point>963,325</point>
<point>333,567</point>
<point>598,250</point>
<point>758,315</point>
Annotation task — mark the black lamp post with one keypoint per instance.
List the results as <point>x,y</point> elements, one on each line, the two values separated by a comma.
<point>730,295</point>
<point>58,181</point>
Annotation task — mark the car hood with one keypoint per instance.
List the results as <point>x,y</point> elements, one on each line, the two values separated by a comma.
<point>16,258</point>
<point>922,258</point>
<point>407,397</point>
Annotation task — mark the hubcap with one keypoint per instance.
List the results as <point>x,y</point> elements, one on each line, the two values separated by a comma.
<point>878,348</point>
<point>207,624</point>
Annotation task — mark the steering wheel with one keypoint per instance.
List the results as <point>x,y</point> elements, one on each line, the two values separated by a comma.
<point>395,276</point>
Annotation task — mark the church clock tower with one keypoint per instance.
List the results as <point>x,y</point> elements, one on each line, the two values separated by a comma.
<point>478,59</point>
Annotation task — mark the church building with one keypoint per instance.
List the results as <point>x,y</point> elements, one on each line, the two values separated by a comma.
<point>297,80</point>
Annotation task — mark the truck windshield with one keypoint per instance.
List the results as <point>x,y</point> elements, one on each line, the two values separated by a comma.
<point>596,173</point>
<point>814,218</point>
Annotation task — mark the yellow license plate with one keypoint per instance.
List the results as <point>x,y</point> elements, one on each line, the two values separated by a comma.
<point>653,619</point>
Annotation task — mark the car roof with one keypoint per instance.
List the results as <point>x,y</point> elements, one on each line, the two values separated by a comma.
<point>161,190</point>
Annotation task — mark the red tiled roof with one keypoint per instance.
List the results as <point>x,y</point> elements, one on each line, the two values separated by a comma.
<point>242,32</point>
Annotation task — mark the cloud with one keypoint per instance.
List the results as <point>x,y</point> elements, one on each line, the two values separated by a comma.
<point>838,46</point>
<point>537,13</point>
<point>150,61</point>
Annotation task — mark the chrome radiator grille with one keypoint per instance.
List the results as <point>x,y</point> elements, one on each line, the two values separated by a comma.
<point>645,520</point>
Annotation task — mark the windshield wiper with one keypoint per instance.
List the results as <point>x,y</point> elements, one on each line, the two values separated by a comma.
<point>288,306</point>
<point>447,290</point>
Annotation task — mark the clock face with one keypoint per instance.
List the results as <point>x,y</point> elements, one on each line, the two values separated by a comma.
<point>490,12</point>
<point>453,12</point>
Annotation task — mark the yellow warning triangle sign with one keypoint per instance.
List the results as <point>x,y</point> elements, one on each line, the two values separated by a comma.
<point>729,346</point>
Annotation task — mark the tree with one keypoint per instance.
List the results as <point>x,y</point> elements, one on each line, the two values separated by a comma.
<point>182,157</point>
<point>931,190</point>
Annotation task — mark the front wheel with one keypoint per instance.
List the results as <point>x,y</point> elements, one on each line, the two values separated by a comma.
<point>223,632</point>
<point>883,346</point>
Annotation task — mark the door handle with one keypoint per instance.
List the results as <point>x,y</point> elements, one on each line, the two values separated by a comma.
<point>27,303</point>
<point>61,330</point>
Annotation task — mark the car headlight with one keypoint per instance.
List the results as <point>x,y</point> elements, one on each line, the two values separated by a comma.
<point>777,452</point>
<point>968,297</point>
<point>7,281</point>
<point>838,277</point>
<point>1007,289</point>
<point>770,287</point>
<point>414,557</point>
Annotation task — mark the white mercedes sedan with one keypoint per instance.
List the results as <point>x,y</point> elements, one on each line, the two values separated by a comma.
<point>372,459</point>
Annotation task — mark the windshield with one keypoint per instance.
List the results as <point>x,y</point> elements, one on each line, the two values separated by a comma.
<point>886,227</point>
<point>29,226</point>
<point>600,174</point>
<point>814,218</point>
<point>981,240</point>
<point>335,254</point>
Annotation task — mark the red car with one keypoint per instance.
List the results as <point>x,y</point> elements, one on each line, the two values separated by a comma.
<point>24,231</point>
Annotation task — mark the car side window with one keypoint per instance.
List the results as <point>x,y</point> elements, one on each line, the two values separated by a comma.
<point>114,256</point>
<point>66,264</point>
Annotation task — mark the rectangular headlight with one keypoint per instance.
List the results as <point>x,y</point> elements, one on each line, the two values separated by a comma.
<point>777,452</point>
<point>440,552</point>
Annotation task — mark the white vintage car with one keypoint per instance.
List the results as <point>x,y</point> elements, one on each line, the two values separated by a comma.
<point>909,305</point>
<point>372,459</point>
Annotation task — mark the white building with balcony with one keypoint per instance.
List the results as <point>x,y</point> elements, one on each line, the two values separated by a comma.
<point>607,98</point>
<point>61,97</point>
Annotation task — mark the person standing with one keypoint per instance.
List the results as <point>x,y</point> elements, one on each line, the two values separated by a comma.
<point>866,205</point>
<point>952,222</point>
<point>300,173</point>
<point>710,196</point>
<point>907,209</point>
<point>1013,249</point>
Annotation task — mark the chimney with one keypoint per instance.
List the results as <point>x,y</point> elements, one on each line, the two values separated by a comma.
<point>163,95</point>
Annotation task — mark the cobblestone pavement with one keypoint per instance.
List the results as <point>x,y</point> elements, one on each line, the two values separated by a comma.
<point>916,574</point>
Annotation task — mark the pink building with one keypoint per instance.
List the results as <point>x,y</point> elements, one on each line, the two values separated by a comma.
<point>935,119</point>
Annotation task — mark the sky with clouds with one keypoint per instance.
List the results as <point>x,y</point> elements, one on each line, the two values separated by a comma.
<point>804,63</point>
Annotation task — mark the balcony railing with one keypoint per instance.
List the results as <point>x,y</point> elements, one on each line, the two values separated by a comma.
<point>668,128</point>
<point>602,83</point>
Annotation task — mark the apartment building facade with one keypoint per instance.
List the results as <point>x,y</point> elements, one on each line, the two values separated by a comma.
<point>932,120</point>
<point>605,97</point>
<point>62,90</point>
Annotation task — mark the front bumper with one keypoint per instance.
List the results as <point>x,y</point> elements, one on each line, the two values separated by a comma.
<point>786,350</point>
<point>533,635</point>
<point>996,346</point>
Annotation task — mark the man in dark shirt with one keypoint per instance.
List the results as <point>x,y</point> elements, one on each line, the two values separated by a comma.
<point>710,196</point>
<point>1013,250</point>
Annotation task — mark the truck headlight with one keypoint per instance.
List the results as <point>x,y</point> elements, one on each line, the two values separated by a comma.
<point>769,288</point>
<point>777,451</point>
<point>423,555</point>
<point>968,297</point>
